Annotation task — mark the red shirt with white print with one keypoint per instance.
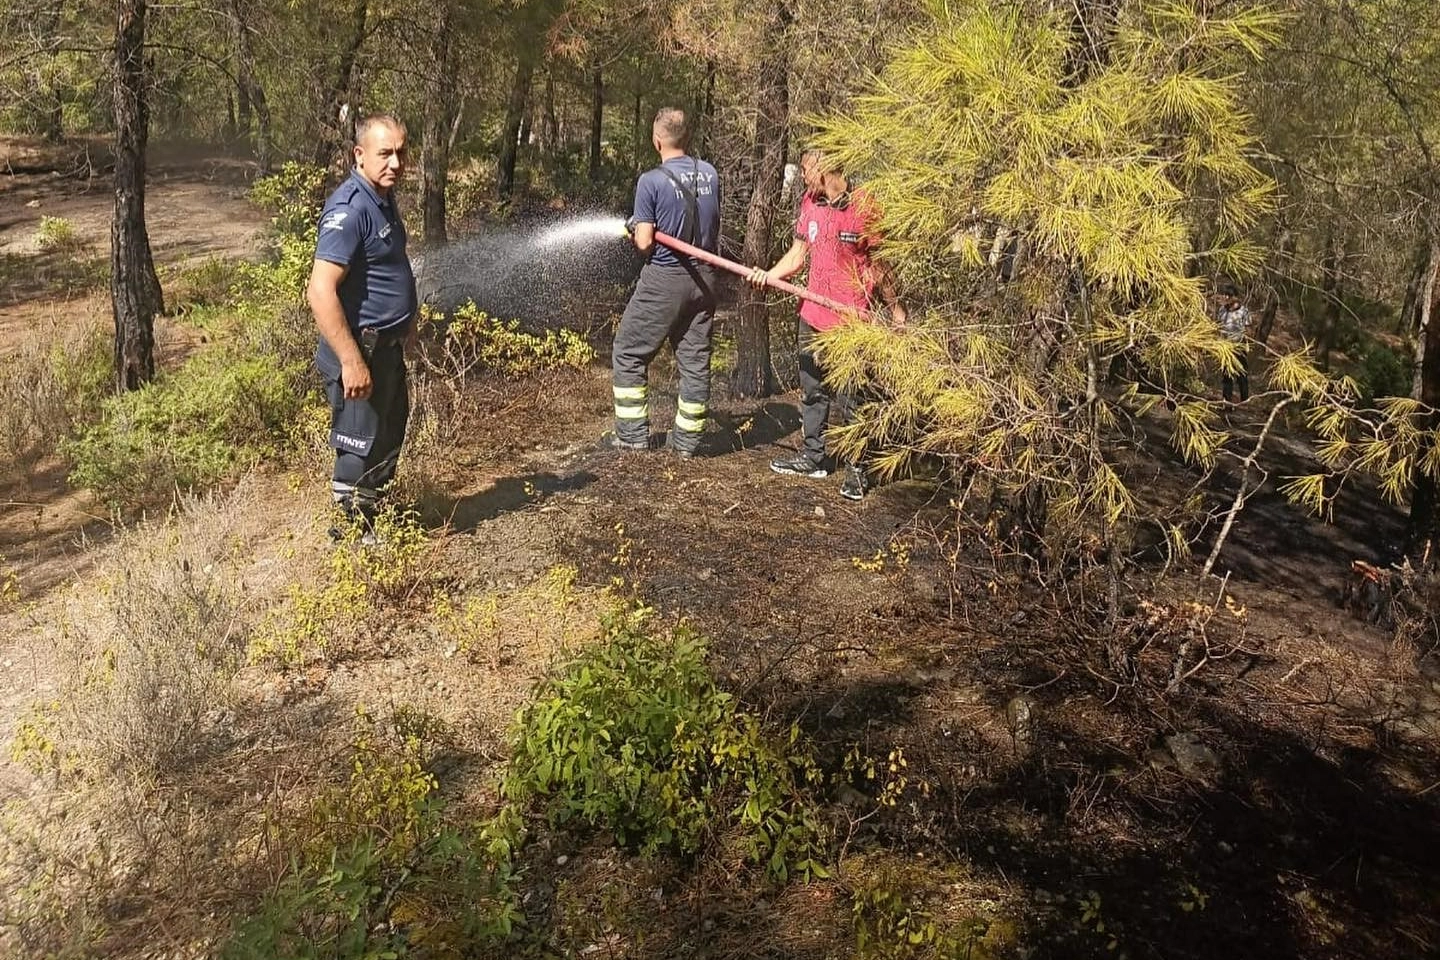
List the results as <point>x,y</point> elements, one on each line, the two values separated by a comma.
<point>841,234</point>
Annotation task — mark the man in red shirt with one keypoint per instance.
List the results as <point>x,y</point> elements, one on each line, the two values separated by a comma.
<point>835,234</point>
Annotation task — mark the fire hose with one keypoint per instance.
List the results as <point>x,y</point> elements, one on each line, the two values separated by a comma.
<point>740,270</point>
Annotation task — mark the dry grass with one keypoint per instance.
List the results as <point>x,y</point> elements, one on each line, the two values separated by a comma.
<point>48,385</point>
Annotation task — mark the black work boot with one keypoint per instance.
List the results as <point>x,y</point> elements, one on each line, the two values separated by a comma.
<point>800,466</point>
<point>856,483</point>
<point>351,520</point>
<point>684,444</point>
<point>613,441</point>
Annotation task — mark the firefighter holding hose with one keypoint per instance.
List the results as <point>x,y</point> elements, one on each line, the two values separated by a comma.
<point>835,234</point>
<point>674,298</point>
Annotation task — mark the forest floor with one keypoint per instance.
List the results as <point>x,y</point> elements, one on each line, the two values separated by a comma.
<point>1282,800</point>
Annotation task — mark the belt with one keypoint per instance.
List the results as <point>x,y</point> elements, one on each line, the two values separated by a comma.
<point>372,339</point>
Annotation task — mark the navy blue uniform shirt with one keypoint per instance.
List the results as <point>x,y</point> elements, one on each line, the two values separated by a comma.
<point>659,201</point>
<point>361,230</point>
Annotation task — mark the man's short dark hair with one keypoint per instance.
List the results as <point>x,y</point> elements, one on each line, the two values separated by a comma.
<point>371,120</point>
<point>670,127</point>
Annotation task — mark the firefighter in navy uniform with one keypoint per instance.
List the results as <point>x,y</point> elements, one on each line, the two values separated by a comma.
<point>674,298</point>
<point>362,292</point>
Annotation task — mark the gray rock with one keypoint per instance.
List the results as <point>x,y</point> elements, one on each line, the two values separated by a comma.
<point>1021,712</point>
<point>1193,758</point>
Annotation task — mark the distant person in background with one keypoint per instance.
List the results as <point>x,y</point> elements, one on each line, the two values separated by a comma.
<point>835,236</point>
<point>674,298</point>
<point>362,292</point>
<point>1234,320</point>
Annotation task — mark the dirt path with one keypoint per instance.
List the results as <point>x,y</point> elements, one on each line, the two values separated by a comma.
<point>196,208</point>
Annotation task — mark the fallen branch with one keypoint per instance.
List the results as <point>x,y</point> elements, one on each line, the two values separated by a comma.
<point>1243,493</point>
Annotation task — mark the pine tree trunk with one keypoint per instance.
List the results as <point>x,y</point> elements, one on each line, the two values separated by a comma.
<point>510,129</point>
<point>134,287</point>
<point>439,114</point>
<point>597,119</point>
<point>1418,311</point>
<point>334,136</point>
<point>641,149</point>
<point>707,111</point>
<point>550,123</point>
<point>1284,254</point>
<point>1424,522</point>
<point>1331,264</point>
<point>249,92</point>
<point>754,374</point>
<point>46,85</point>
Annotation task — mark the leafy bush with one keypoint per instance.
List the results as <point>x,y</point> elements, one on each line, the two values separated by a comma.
<point>49,388</point>
<point>58,235</point>
<point>892,921</point>
<point>321,621</point>
<point>1382,373</point>
<point>474,343</point>
<point>634,737</point>
<point>188,430</point>
<point>209,283</point>
<point>293,196</point>
<point>378,871</point>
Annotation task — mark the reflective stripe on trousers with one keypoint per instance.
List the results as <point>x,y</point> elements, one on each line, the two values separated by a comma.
<point>690,416</point>
<point>631,404</point>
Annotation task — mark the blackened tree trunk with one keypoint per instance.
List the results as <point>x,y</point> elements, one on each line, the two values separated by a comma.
<point>597,120</point>
<point>550,122</point>
<point>1277,275</point>
<point>440,110</point>
<point>46,85</point>
<point>754,370</point>
<point>510,129</point>
<point>334,136</point>
<point>250,95</point>
<point>134,287</point>
<point>707,111</point>
<point>1331,284</point>
<point>1424,525</point>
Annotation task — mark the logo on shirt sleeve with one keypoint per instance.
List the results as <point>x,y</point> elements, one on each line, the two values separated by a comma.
<point>334,221</point>
<point>812,231</point>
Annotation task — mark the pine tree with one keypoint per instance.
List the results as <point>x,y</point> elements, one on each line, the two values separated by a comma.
<point>1042,206</point>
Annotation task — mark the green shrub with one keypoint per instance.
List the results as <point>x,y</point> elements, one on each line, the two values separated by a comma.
<point>476,343</point>
<point>188,430</point>
<point>1383,373</point>
<point>634,737</point>
<point>293,196</point>
<point>209,283</point>
<point>894,921</point>
<point>323,620</point>
<point>377,869</point>
<point>58,235</point>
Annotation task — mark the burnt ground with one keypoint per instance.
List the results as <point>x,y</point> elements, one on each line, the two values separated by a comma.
<point>1313,834</point>
<point>1281,800</point>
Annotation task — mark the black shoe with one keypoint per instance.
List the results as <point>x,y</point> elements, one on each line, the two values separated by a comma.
<point>856,484</point>
<point>612,441</point>
<point>354,526</point>
<point>689,451</point>
<point>800,466</point>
